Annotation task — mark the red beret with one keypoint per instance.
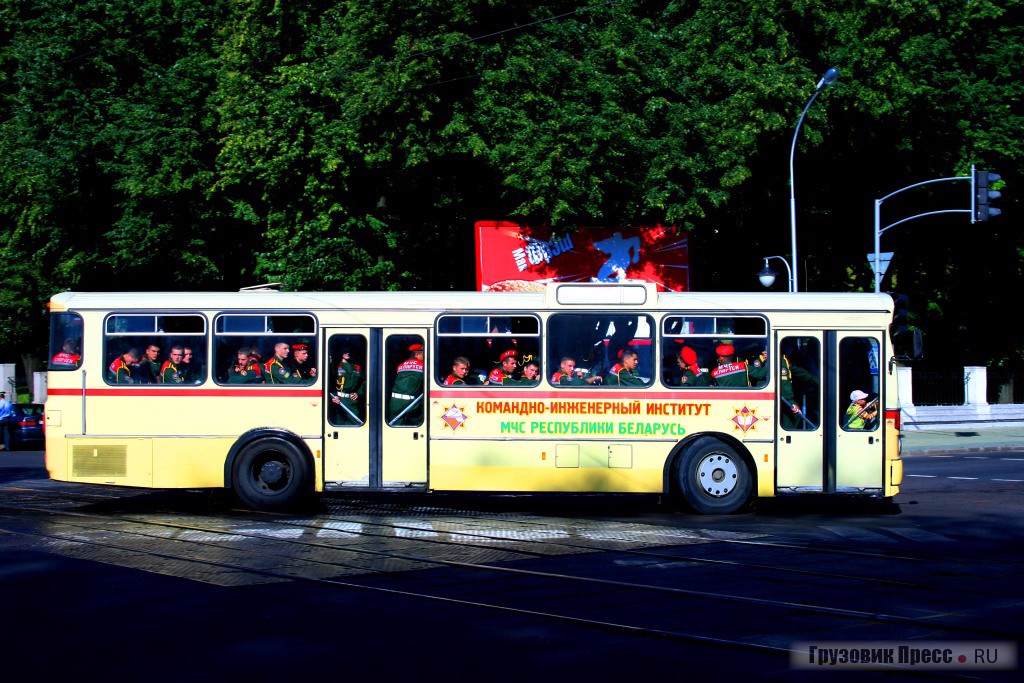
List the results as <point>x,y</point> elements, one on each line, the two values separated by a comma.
<point>416,347</point>
<point>511,353</point>
<point>725,350</point>
<point>300,347</point>
<point>689,355</point>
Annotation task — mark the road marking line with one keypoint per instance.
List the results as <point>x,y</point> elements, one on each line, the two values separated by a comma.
<point>919,535</point>
<point>967,478</point>
<point>1017,480</point>
<point>923,476</point>
<point>856,534</point>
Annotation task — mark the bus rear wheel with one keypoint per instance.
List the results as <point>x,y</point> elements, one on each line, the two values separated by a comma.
<point>713,478</point>
<point>271,474</point>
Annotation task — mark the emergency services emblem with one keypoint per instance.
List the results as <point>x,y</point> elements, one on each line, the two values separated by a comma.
<point>454,417</point>
<point>745,418</point>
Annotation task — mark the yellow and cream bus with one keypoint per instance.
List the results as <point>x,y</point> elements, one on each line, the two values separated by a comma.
<point>713,399</point>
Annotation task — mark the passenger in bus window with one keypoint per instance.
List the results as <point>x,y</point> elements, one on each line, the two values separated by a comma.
<point>503,373</point>
<point>149,366</point>
<point>301,366</point>
<point>190,370</point>
<point>170,371</point>
<point>861,414</point>
<point>693,374</point>
<point>68,356</point>
<point>120,371</point>
<point>459,373</point>
<point>729,373</point>
<point>347,397</point>
<point>531,373</point>
<point>405,408</point>
<point>792,417</point>
<point>568,375</point>
<point>614,370</point>
<point>247,369</point>
<point>277,372</point>
<point>757,369</point>
<point>626,376</point>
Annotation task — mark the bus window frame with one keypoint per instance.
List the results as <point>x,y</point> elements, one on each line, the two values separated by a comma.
<point>611,357</point>
<point>443,357</point>
<point>706,355</point>
<point>309,338</point>
<point>157,333</point>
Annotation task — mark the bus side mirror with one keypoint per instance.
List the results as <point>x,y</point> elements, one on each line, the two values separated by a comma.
<point>907,345</point>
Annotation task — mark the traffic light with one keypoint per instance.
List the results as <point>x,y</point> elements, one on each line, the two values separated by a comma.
<point>907,343</point>
<point>983,194</point>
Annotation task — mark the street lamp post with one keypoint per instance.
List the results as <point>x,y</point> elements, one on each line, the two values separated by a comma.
<point>828,79</point>
<point>767,275</point>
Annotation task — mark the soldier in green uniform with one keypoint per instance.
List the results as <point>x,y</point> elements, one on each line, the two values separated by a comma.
<point>301,367</point>
<point>693,374</point>
<point>408,391</point>
<point>531,374</point>
<point>149,366</point>
<point>503,373</point>
<point>120,371</point>
<point>626,376</point>
<point>791,415</point>
<point>347,397</point>
<point>276,370</point>
<point>171,371</point>
<point>757,370</point>
<point>729,373</point>
<point>567,375</point>
<point>247,369</point>
<point>190,370</point>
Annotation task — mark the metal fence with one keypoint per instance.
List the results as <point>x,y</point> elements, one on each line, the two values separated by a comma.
<point>938,387</point>
<point>948,387</point>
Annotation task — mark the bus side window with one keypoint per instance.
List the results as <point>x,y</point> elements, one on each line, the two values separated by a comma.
<point>65,341</point>
<point>276,350</point>
<point>859,383</point>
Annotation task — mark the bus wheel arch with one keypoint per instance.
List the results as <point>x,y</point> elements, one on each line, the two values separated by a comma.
<point>713,475</point>
<point>270,469</point>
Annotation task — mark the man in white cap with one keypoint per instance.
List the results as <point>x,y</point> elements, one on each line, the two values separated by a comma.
<point>859,414</point>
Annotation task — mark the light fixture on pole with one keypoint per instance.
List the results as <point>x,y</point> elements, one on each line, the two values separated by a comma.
<point>767,276</point>
<point>828,79</point>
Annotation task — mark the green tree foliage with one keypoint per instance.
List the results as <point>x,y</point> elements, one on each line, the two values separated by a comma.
<point>178,144</point>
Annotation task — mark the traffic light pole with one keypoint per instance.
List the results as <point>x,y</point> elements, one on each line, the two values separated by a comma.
<point>878,216</point>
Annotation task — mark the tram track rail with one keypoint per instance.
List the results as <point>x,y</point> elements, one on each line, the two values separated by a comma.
<point>80,521</point>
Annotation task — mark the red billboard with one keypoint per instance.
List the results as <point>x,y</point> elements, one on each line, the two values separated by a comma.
<point>515,257</point>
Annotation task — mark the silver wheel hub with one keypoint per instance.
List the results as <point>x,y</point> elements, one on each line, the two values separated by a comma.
<point>717,475</point>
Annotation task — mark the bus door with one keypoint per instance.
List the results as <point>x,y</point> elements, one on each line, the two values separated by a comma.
<point>375,433</point>
<point>403,404</point>
<point>860,454</point>
<point>800,434</point>
<point>351,433</point>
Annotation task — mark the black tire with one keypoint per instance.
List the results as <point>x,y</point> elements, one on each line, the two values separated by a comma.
<point>271,473</point>
<point>713,479</point>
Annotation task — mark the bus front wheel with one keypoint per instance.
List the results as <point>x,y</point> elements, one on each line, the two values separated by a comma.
<point>713,478</point>
<point>271,474</point>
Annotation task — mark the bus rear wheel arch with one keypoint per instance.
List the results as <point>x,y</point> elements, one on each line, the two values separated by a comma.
<point>271,473</point>
<point>713,478</point>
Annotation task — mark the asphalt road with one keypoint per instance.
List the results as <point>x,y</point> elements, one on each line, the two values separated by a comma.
<point>110,584</point>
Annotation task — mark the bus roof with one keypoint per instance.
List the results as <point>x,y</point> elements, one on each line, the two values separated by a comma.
<point>561,296</point>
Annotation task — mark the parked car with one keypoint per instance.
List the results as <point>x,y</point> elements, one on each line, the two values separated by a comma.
<point>27,425</point>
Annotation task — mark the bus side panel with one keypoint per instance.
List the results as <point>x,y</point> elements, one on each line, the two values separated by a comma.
<point>120,461</point>
<point>530,465</point>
